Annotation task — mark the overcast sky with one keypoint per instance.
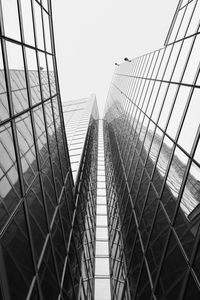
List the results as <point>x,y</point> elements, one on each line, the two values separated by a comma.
<point>92,35</point>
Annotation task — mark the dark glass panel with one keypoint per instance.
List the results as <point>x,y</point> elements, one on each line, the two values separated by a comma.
<point>157,242</point>
<point>130,237</point>
<point>57,172</point>
<point>135,266</point>
<point>141,196</point>
<point>173,271</point>
<point>148,215</point>
<point>47,276</point>
<point>58,244</point>
<point>9,181</point>
<point>144,288</point>
<point>50,126</point>
<point>27,148</point>
<point>19,267</point>
<point>187,219</point>
<point>192,290</point>
<point>49,191</point>
<point>41,134</point>
<point>68,288</point>
<point>37,216</point>
<point>34,294</point>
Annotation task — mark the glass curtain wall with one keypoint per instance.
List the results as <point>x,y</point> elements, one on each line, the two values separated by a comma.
<point>152,126</point>
<point>36,200</point>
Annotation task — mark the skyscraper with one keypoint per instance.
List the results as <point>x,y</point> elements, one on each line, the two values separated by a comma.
<point>81,122</point>
<point>117,216</point>
<point>36,185</point>
<point>152,130</point>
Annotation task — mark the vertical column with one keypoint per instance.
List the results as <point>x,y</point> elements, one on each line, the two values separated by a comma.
<point>102,267</point>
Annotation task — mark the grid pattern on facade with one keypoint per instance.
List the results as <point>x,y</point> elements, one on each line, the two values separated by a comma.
<point>77,115</point>
<point>82,243</point>
<point>152,125</point>
<point>102,257</point>
<point>36,200</point>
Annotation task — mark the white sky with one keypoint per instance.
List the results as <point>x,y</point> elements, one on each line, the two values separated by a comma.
<point>92,35</point>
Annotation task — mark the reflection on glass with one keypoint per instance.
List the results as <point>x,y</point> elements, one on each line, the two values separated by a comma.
<point>178,110</point>
<point>191,122</point>
<point>39,28</point>
<point>27,148</point>
<point>167,105</point>
<point>47,32</point>
<point>182,59</point>
<point>176,172</point>
<point>190,199</point>
<point>27,22</point>
<point>4,112</point>
<point>9,184</point>
<point>11,19</point>
<point>17,256</point>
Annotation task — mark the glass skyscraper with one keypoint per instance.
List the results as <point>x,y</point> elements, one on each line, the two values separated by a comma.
<point>36,185</point>
<point>81,122</point>
<point>152,130</point>
<point>95,208</point>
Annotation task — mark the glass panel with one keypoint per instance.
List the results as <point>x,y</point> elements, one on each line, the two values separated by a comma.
<point>11,18</point>
<point>9,181</point>
<point>40,134</point>
<point>47,32</point>
<point>157,242</point>
<point>101,248</point>
<point>38,23</point>
<point>189,129</point>
<point>162,163</point>
<point>101,233</point>
<point>47,276</point>
<point>27,148</point>
<point>4,112</point>
<point>58,244</point>
<point>159,101</point>
<point>193,62</point>
<point>16,66</point>
<point>182,60</point>
<point>102,289</point>
<point>19,267</point>
<point>44,76</point>
<point>102,266</point>
<point>27,22</point>
<point>171,278</point>
<point>169,100</point>
<point>37,217</point>
<point>190,198</point>
<point>101,209</point>
<point>178,110</point>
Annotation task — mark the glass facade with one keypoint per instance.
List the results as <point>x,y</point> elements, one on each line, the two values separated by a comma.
<point>152,142</point>
<point>36,185</point>
<point>77,114</point>
<point>81,123</point>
